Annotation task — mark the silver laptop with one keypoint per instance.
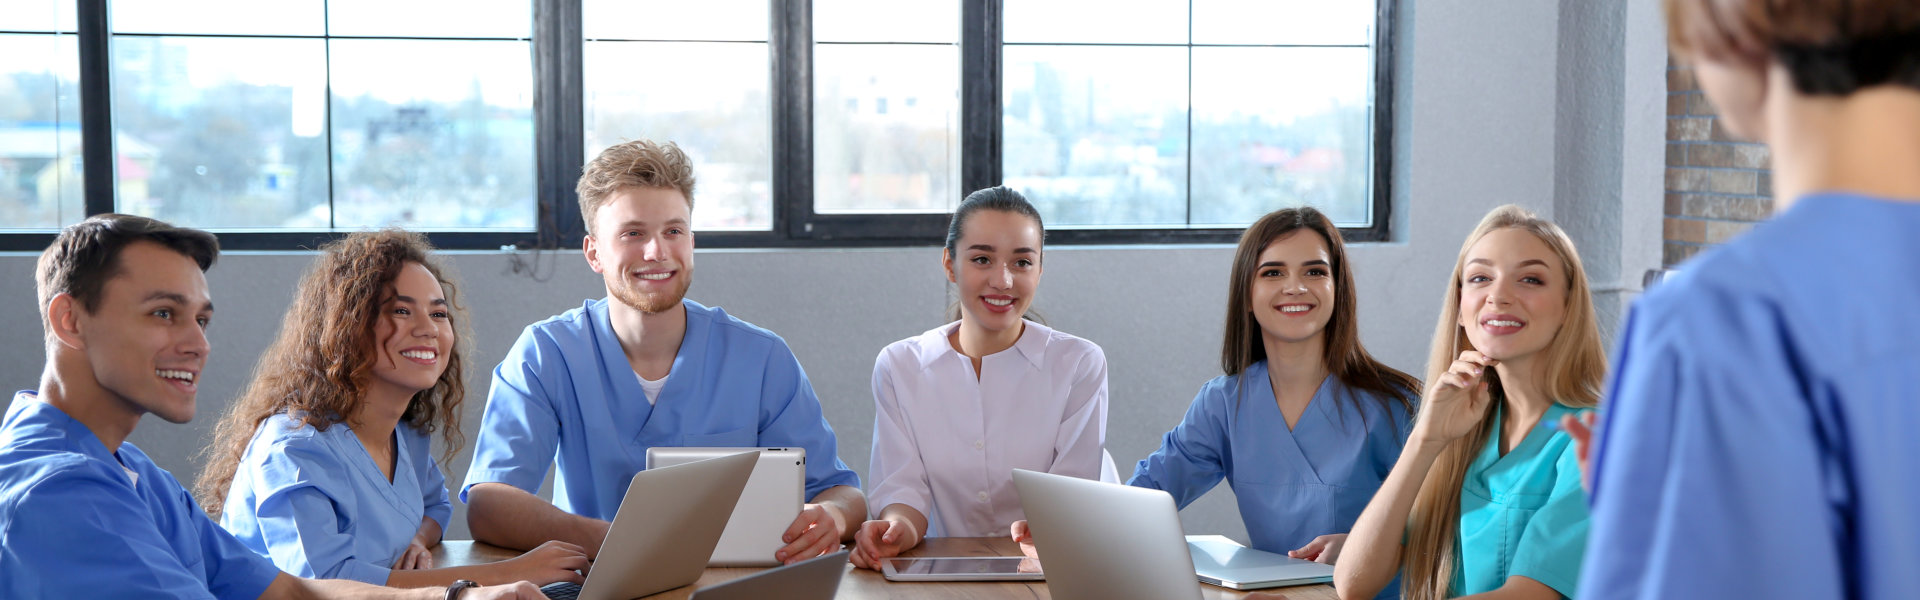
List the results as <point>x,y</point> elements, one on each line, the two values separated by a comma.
<point>1226,563</point>
<point>668,523</point>
<point>1105,541</point>
<point>816,578</point>
<point>767,506</point>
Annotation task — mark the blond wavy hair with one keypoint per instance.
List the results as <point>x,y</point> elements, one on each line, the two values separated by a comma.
<point>638,163</point>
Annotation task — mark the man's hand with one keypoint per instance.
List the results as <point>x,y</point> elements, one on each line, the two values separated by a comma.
<point>813,533</point>
<point>415,557</point>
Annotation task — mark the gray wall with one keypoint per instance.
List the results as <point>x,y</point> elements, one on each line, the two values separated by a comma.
<point>1503,101</point>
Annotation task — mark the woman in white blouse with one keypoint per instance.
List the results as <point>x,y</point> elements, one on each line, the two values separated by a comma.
<point>959,407</point>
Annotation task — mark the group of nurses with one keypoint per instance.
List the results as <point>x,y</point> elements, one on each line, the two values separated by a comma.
<point>1304,424</point>
<point>324,465</point>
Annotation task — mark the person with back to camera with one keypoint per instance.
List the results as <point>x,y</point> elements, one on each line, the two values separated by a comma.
<point>1759,437</point>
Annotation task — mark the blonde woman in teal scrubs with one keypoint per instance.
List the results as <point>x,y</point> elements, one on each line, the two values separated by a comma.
<point>1486,497</point>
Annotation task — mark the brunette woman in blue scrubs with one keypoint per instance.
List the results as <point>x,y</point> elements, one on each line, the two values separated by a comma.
<point>1304,424</point>
<point>324,465</point>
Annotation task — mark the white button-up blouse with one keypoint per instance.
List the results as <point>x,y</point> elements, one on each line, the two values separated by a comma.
<point>946,442</point>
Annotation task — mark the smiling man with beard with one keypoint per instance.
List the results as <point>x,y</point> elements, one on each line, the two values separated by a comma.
<point>644,367</point>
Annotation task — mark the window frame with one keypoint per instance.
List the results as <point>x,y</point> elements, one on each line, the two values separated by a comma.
<point>558,46</point>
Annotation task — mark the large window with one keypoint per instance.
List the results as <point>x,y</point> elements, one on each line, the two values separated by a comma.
<point>1210,113</point>
<point>695,73</point>
<point>324,115</point>
<point>40,166</point>
<point>810,122</point>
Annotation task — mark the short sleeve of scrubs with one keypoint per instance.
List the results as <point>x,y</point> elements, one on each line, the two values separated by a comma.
<point>520,432</point>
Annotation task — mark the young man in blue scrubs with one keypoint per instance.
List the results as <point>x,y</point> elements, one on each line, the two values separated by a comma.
<point>645,367</point>
<point>1759,439</point>
<point>83,514</point>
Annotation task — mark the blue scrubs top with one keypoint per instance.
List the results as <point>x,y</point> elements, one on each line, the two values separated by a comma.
<point>1523,513</point>
<point>566,386</point>
<point>315,502</point>
<point>1291,485</point>
<point>75,524</point>
<point>1759,433</point>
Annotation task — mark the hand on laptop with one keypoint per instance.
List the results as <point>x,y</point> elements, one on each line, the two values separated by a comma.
<point>813,533</point>
<point>1324,549</point>
<point>552,562</point>
<point>881,538</point>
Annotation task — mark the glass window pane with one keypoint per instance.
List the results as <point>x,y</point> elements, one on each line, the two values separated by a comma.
<point>670,20</point>
<point>431,18</point>
<point>446,143</point>
<point>38,15</point>
<point>711,99</point>
<point>40,169</point>
<point>1301,22</point>
<point>886,128</point>
<point>1096,22</point>
<point>936,21</point>
<point>217,17</point>
<point>1277,127</point>
<point>1097,136</point>
<point>221,132</point>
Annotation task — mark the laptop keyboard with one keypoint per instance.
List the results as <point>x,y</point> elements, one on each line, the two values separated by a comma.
<point>561,590</point>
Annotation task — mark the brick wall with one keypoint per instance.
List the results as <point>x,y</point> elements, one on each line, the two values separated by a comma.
<point>1717,187</point>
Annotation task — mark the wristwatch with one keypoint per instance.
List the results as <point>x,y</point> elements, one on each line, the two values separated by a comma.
<point>458,587</point>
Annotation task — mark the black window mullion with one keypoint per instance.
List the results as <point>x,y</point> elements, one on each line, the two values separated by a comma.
<point>1382,152</point>
<point>559,122</point>
<point>980,89</point>
<point>790,50</point>
<point>96,109</point>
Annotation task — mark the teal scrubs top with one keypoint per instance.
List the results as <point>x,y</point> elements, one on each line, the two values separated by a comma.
<point>1523,514</point>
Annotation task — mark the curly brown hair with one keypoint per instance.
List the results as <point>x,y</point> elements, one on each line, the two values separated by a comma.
<point>321,363</point>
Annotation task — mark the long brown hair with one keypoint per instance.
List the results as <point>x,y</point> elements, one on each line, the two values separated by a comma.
<point>319,366</point>
<point>1345,357</point>
<point>1575,366</point>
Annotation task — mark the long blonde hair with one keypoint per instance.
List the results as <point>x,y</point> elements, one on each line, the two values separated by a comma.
<point>1575,367</point>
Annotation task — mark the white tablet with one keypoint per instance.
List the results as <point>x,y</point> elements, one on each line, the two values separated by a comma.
<point>766,508</point>
<point>962,568</point>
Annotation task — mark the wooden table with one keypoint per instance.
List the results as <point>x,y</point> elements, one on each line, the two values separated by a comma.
<point>863,584</point>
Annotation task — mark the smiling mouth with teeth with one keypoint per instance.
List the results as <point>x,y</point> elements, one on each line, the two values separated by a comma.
<point>1501,323</point>
<point>654,276</point>
<point>998,302</point>
<point>186,376</point>
<point>1295,308</point>
<point>420,354</point>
